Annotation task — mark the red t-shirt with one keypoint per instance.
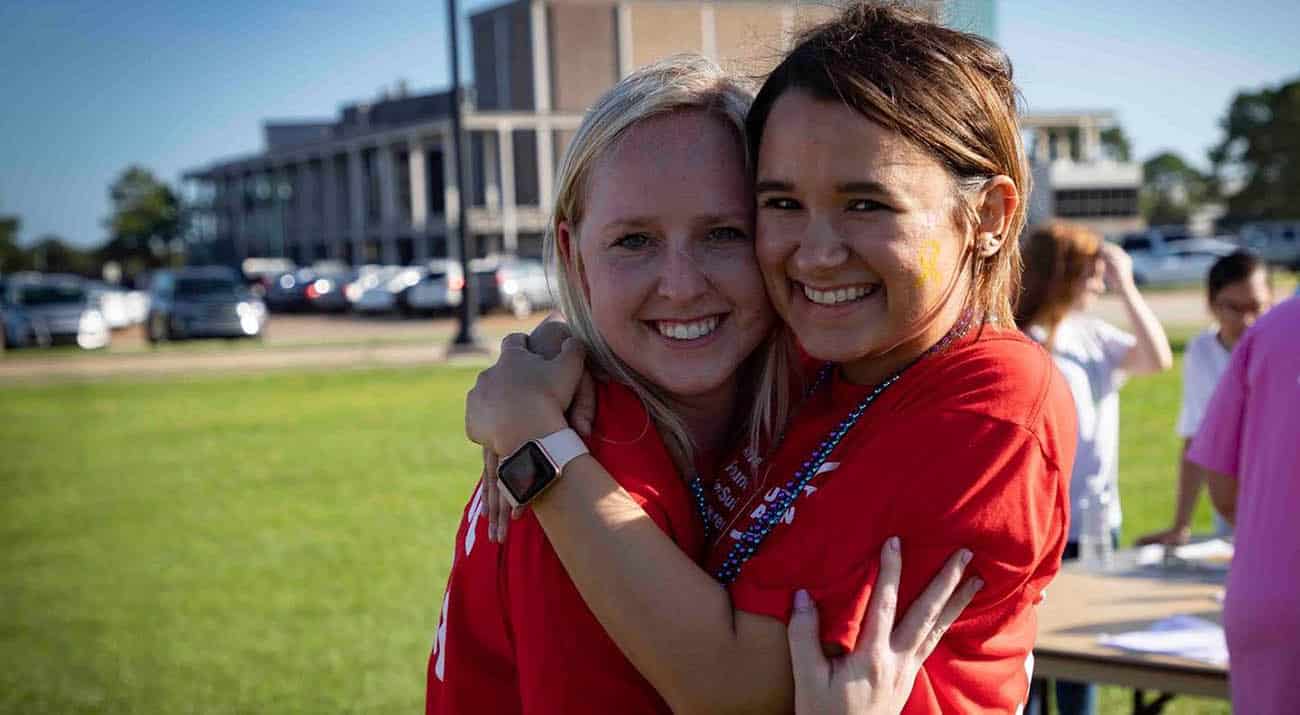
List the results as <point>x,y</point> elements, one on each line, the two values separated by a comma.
<point>514,635</point>
<point>972,447</point>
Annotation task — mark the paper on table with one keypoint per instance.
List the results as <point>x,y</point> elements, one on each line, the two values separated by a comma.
<point>1214,553</point>
<point>1183,636</point>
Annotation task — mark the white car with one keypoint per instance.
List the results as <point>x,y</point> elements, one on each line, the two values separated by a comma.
<point>382,296</point>
<point>1186,261</point>
<point>442,287</point>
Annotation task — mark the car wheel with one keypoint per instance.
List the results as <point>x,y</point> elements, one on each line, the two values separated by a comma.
<point>520,306</point>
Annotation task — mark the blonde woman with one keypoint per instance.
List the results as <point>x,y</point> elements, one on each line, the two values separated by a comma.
<point>657,278</point>
<point>890,180</point>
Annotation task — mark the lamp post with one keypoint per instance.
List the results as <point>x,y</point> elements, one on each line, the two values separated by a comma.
<point>467,339</point>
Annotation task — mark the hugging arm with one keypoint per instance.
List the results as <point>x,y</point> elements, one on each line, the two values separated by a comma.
<point>668,616</point>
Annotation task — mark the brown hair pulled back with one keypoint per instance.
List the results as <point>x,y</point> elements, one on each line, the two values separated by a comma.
<point>949,92</point>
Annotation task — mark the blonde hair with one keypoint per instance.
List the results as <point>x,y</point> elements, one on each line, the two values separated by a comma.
<point>1059,256</point>
<point>681,82</point>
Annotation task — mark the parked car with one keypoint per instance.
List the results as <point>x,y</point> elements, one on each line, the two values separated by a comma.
<point>202,302</point>
<point>515,284</point>
<point>368,276</point>
<point>1186,261</point>
<point>51,309</point>
<point>1277,242</point>
<point>325,293</point>
<point>389,283</point>
<point>287,292</point>
<point>440,288</point>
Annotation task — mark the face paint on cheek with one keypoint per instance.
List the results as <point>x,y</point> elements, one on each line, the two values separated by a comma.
<point>929,268</point>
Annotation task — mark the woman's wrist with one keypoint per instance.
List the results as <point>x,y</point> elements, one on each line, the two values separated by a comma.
<point>536,426</point>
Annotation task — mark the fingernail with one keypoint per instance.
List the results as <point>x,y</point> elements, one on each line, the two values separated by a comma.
<point>894,544</point>
<point>979,583</point>
<point>802,601</point>
<point>965,556</point>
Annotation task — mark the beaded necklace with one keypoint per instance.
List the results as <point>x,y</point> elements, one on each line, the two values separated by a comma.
<point>749,541</point>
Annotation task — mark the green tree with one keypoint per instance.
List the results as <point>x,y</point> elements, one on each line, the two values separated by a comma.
<point>52,254</point>
<point>1171,189</point>
<point>1115,145</point>
<point>1257,164</point>
<point>146,220</point>
<point>12,256</point>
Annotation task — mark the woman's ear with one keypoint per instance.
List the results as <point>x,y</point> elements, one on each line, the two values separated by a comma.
<point>997,203</point>
<point>566,245</point>
<point>564,240</point>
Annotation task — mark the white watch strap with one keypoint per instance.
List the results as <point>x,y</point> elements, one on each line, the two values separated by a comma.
<point>562,447</point>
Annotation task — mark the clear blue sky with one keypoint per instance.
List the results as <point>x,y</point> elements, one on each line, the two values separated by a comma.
<point>89,88</point>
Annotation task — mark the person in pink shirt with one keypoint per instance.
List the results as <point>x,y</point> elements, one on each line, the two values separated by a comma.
<point>1249,441</point>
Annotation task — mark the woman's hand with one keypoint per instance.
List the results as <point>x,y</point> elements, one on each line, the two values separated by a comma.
<point>877,677</point>
<point>523,396</point>
<point>546,340</point>
<point>1119,266</point>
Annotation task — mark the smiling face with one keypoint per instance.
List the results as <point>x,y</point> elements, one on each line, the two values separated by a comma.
<point>856,236</point>
<point>667,256</point>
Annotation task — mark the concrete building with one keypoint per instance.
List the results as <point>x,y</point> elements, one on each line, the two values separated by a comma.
<point>377,184</point>
<point>1074,179</point>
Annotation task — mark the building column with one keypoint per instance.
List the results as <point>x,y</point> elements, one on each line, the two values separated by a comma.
<point>708,32</point>
<point>509,215</point>
<point>1042,145</point>
<point>418,178</point>
<point>541,57</point>
<point>545,167</point>
<point>491,172</point>
<point>450,193</point>
<point>1090,137</point>
<point>625,62</point>
<point>356,205</point>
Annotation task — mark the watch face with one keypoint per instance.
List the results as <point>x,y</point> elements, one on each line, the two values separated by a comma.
<point>526,472</point>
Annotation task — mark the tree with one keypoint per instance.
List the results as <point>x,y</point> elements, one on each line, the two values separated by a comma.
<point>12,256</point>
<point>1114,144</point>
<point>52,254</point>
<point>1257,164</point>
<point>1171,189</point>
<point>146,220</point>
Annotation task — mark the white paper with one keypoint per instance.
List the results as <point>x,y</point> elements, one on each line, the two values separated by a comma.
<point>1183,636</point>
<point>1215,554</point>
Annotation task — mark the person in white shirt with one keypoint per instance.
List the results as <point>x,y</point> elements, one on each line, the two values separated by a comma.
<point>1067,267</point>
<point>1239,292</point>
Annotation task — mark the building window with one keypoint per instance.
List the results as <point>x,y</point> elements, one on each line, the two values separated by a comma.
<point>1097,203</point>
<point>434,184</point>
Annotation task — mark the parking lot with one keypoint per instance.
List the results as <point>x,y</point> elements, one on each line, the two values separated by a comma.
<point>291,341</point>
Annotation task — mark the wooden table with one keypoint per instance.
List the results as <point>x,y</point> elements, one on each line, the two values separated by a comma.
<point>1080,606</point>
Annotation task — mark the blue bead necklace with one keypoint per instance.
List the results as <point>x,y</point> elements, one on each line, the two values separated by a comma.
<point>749,541</point>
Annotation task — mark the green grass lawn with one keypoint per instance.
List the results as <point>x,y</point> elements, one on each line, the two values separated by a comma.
<point>278,543</point>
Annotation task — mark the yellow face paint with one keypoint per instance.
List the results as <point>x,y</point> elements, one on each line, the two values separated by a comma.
<point>929,263</point>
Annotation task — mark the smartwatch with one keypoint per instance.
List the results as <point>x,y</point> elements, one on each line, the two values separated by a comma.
<point>537,464</point>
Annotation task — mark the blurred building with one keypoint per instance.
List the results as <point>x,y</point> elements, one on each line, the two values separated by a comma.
<point>1075,178</point>
<point>377,183</point>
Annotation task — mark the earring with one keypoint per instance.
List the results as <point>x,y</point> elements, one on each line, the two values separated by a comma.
<point>989,245</point>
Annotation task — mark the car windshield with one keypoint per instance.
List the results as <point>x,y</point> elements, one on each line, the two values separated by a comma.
<point>52,294</point>
<point>204,286</point>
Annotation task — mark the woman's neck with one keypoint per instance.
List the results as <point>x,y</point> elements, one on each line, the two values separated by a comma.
<point>707,418</point>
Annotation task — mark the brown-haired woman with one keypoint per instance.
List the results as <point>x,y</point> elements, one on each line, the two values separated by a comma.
<point>890,180</point>
<point>1066,268</point>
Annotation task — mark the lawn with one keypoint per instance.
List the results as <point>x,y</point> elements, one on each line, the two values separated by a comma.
<point>278,542</point>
